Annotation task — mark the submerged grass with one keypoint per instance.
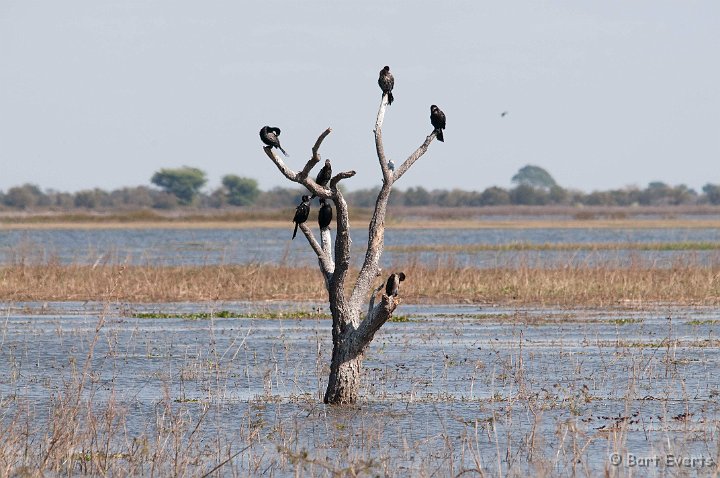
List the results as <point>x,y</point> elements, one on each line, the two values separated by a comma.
<point>226,314</point>
<point>221,314</point>
<point>682,283</point>
<point>439,399</point>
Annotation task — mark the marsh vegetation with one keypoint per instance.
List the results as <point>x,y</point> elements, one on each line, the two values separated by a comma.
<point>216,389</point>
<point>174,367</point>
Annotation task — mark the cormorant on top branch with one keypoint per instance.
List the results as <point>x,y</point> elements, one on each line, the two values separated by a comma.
<point>387,82</point>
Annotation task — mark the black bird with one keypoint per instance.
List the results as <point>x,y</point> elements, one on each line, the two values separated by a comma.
<point>269,135</point>
<point>392,287</point>
<point>324,176</point>
<point>301,213</point>
<point>437,118</point>
<point>387,82</point>
<point>503,114</point>
<point>325,214</point>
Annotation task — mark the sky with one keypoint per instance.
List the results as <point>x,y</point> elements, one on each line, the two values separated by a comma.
<point>602,94</point>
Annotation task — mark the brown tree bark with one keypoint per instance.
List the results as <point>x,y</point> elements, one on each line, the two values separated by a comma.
<point>351,332</point>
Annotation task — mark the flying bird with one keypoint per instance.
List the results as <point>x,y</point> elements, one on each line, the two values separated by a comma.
<point>387,82</point>
<point>437,118</point>
<point>325,214</point>
<point>392,287</point>
<point>301,213</point>
<point>324,175</point>
<point>503,114</point>
<point>269,135</point>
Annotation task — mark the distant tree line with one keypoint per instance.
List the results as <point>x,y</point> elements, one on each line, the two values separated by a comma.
<point>182,187</point>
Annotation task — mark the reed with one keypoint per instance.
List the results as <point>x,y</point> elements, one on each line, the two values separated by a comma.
<point>684,282</point>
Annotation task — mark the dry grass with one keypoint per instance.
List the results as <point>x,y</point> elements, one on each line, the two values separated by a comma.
<point>561,246</point>
<point>574,285</point>
<point>579,286</point>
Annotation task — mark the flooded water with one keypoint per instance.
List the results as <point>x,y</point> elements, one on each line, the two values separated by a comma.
<point>452,390</point>
<point>272,245</point>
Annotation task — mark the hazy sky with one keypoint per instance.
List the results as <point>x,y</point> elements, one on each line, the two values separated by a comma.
<point>602,94</point>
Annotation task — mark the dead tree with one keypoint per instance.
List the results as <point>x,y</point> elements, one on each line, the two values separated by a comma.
<point>351,331</point>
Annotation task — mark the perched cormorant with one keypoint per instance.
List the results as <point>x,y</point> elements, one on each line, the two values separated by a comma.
<point>269,135</point>
<point>301,213</point>
<point>387,82</point>
<point>392,287</point>
<point>437,118</point>
<point>323,177</point>
<point>325,214</point>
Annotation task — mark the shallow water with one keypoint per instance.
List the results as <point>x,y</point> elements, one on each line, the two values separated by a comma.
<point>273,245</point>
<point>511,391</point>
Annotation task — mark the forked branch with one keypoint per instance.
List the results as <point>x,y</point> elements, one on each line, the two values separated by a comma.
<point>376,230</point>
<point>302,177</point>
<point>324,250</point>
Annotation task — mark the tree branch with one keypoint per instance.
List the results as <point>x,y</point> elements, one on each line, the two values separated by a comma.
<point>387,176</point>
<point>342,262</point>
<point>376,229</point>
<point>324,251</point>
<point>326,264</point>
<point>326,242</point>
<point>340,176</point>
<point>287,172</point>
<point>302,176</point>
<point>381,111</point>
<point>374,320</point>
<point>372,299</point>
<point>342,240</point>
<point>316,146</point>
<point>414,157</point>
<point>315,154</point>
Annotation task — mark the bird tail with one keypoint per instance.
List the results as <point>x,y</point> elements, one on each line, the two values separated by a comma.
<point>295,232</point>
<point>439,135</point>
<point>391,98</point>
<point>283,151</point>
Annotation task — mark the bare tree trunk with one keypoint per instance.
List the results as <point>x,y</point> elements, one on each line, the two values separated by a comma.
<point>351,334</point>
<point>344,381</point>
